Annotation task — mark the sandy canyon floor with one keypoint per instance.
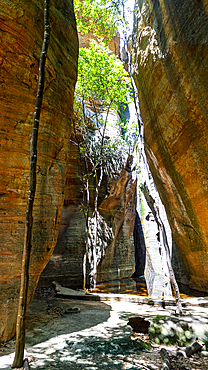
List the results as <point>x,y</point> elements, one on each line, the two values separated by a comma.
<point>81,334</point>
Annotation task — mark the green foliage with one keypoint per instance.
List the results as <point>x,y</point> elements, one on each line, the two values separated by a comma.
<point>165,329</point>
<point>102,17</point>
<point>142,210</point>
<point>157,318</point>
<point>102,84</point>
<point>108,153</point>
<point>101,77</point>
<point>113,154</point>
<point>142,345</point>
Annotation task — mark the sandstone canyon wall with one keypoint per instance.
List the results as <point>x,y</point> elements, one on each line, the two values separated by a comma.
<point>169,65</point>
<point>115,243</point>
<point>21,29</point>
<point>117,211</point>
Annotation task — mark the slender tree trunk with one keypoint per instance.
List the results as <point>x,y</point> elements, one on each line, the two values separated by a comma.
<point>20,327</point>
<point>85,190</point>
<point>98,185</point>
<point>95,234</point>
<point>85,272</point>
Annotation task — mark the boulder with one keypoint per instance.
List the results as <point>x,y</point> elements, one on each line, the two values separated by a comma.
<point>139,324</point>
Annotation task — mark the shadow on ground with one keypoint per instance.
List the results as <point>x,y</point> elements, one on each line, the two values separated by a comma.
<point>56,317</point>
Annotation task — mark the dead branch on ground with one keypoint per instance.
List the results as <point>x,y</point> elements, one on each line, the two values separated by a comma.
<point>167,355</point>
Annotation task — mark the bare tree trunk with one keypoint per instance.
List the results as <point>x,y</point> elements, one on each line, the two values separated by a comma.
<point>98,185</point>
<point>85,190</point>
<point>169,356</point>
<point>85,173</point>
<point>20,327</point>
<point>85,272</point>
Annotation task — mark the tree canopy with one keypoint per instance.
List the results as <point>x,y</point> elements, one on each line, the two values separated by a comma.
<point>102,17</point>
<point>102,77</point>
<point>102,85</point>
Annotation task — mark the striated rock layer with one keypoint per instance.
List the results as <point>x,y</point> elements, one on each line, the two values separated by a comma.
<point>169,60</point>
<point>115,245</point>
<point>65,264</point>
<point>119,211</point>
<point>21,30</point>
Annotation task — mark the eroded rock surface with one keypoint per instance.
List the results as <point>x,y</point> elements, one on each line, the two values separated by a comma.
<point>169,60</point>
<point>21,29</point>
<point>115,243</point>
<point>113,44</point>
<point>119,209</point>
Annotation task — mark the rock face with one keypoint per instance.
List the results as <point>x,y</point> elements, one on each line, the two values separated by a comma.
<point>113,44</point>
<point>119,211</point>
<point>21,29</point>
<point>115,246</point>
<point>156,229</point>
<point>169,60</point>
<point>65,265</point>
<point>140,248</point>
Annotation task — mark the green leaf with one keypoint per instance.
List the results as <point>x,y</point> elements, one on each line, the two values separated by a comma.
<point>102,77</point>
<point>101,17</point>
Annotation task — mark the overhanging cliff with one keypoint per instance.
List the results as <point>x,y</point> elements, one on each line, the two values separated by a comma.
<point>169,60</point>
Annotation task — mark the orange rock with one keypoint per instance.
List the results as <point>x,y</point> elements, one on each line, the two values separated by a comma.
<point>21,28</point>
<point>169,59</point>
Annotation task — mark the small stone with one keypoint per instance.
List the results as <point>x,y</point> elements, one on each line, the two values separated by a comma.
<point>72,310</point>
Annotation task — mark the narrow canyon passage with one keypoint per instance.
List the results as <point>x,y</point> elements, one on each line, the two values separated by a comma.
<point>120,212</point>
